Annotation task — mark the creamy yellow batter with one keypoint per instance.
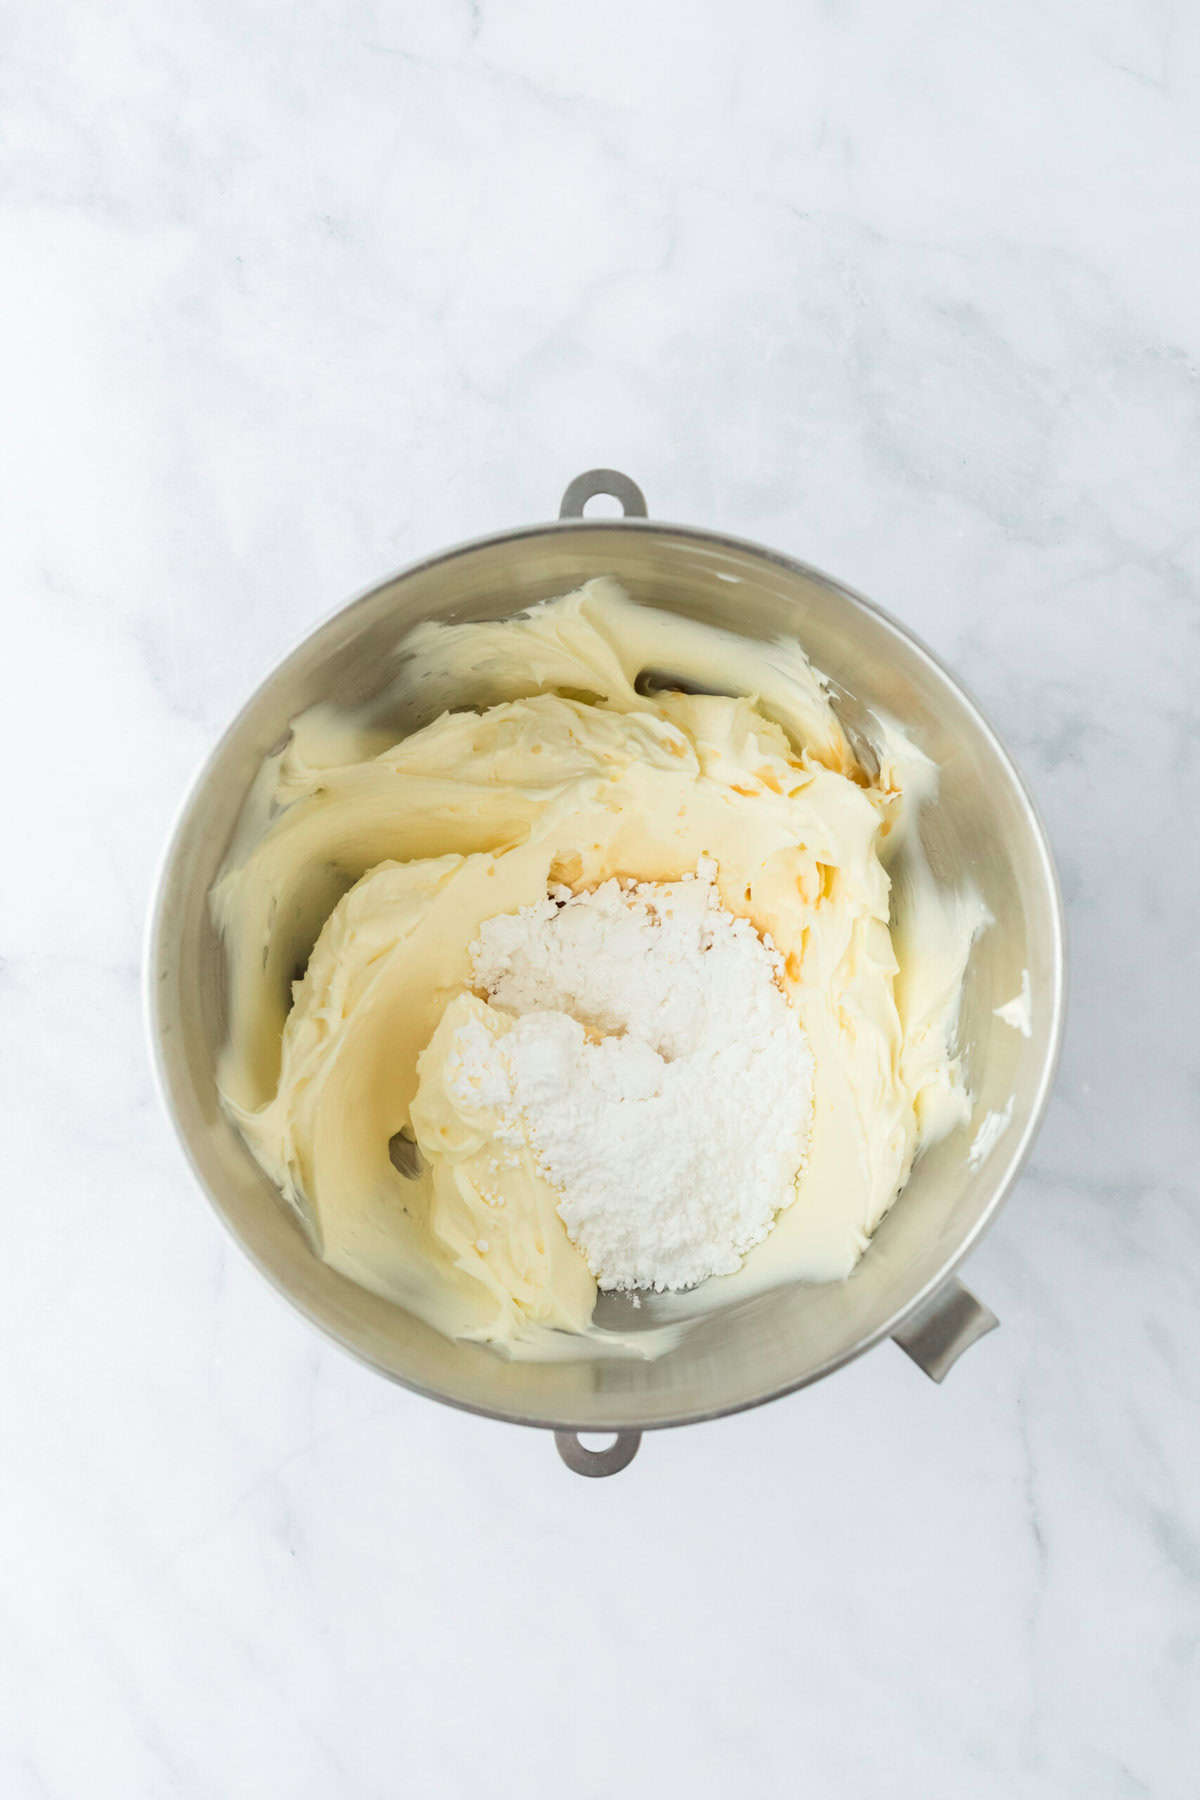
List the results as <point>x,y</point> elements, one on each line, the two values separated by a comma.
<point>363,869</point>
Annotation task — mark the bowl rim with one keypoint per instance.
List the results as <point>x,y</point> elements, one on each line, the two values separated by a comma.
<point>1017,1152</point>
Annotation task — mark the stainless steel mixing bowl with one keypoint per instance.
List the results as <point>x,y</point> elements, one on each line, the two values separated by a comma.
<point>983,824</point>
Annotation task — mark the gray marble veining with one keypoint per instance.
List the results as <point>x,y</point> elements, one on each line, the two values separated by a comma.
<point>295,295</point>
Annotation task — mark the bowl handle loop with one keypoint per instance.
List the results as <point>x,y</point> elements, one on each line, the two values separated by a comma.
<point>602,481</point>
<point>949,1322</point>
<point>610,1461</point>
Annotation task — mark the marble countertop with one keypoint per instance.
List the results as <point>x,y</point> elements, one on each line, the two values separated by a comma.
<point>294,295</point>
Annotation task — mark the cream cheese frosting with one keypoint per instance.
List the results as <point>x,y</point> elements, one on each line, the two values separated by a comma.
<point>363,871</point>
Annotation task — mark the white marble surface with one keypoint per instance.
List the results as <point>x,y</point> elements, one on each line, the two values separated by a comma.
<point>293,294</point>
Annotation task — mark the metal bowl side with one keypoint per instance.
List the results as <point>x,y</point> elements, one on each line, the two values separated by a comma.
<point>984,822</point>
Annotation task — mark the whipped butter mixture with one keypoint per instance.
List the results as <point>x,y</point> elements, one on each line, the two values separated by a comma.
<point>401,1086</point>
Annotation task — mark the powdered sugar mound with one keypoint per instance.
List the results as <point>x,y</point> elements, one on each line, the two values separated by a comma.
<point>655,1069</point>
